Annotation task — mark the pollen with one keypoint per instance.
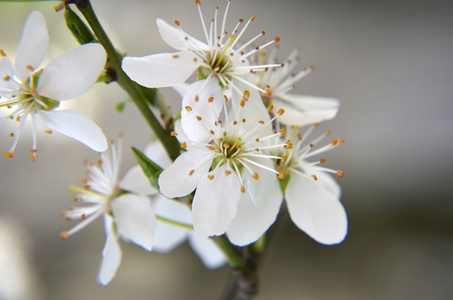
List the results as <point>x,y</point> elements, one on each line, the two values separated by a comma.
<point>64,235</point>
<point>281,175</point>
<point>191,172</point>
<point>210,177</point>
<point>173,133</point>
<point>8,154</point>
<point>210,99</point>
<point>188,108</point>
<point>255,176</point>
<point>242,189</point>
<point>340,173</point>
<point>227,173</point>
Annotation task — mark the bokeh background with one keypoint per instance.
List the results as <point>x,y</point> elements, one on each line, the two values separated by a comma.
<point>391,65</point>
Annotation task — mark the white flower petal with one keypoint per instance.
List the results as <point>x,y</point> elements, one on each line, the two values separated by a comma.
<point>315,210</point>
<point>76,126</point>
<point>207,251</point>
<point>161,70</point>
<point>201,108</point>
<point>33,45</point>
<point>329,184</point>
<point>182,177</point>
<point>267,184</point>
<point>135,220</point>
<point>215,202</point>
<point>7,70</point>
<point>178,39</point>
<point>156,152</point>
<point>73,73</point>
<point>252,222</point>
<point>167,237</point>
<point>135,181</point>
<point>111,255</point>
<point>306,110</point>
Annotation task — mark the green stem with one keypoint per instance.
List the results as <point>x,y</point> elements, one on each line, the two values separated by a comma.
<point>235,260</point>
<point>170,144</point>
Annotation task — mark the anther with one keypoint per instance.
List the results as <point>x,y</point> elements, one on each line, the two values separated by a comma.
<point>246,94</point>
<point>281,175</point>
<point>284,158</point>
<point>289,145</point>
<point>175,56</point>
<point>277,39</point>
<point>64,235</point>
<point>210,99</point>
<point>173,133</point>
<point>242,189</point>
<point>334,142</point>
<point>341,141</point>
<point>340,173</point>
<point>261,121</point>
<point>255,176</point>
<point>196,98</point>
<point>281,111</point>
<point>270,108</point>
<point>188,108</point>
<point>244,120</point>
<point>191,172</point>
<point>257,140</point>
<point>28,67</point>
<point>314,177</point>
<point>11,134</point>
<point>8,154</point>
<point>211,132</point>
<point>184,145</point>
<point>198,2</point>
<point>322,160</point>
<point>212,148</point>
<point>227,173</point>
<point>177,23</point>
<point>6,78</point>
<point>198,118</point>
<point>327,132</point>
<point>282,132</point>
<point>2,53</point>
<point>226,98</point>
<point>210,177</point>
<point>235,122</point>
<point>252,18</point>
<point>242,103</point>
<point>33,158</point>
<point>48,131</point>
<point>268,93</point>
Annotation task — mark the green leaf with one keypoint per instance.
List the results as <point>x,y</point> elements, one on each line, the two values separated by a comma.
<point>119,107</point>
<point>78,28</point>
<point>150,168</point>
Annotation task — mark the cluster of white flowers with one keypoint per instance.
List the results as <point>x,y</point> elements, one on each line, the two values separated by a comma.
<point>242,147</point>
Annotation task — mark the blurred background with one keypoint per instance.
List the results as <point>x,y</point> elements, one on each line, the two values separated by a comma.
<point>391,65</point>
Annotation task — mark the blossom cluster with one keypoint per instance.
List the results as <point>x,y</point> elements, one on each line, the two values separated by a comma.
<point>245,139</point>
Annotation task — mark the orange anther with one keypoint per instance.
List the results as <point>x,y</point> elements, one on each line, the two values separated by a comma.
<point>173,133</point>
<point>64,235</point>
<point>210,177</point>
<point>191,172</point>
<point>255,176</point>
<point>281,175</point>
<point>242,103</point>
<point>242,189</point>
<point>8,154</point>
<point>184,145</point>
<point>228,173</point>
<point>210,99</point>
<point>341,141</point>
<point>322,160</point>
<point>177,23</point>
<point>188,108</point>
<point>314,177</point>
<point>198,118</point>
<point>340,173</point>
<point>175,56</point>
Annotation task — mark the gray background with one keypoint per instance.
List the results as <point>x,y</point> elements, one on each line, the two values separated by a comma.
<point>391,65</point>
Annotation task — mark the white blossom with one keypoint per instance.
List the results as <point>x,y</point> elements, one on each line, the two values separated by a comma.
<point>29,91</point>
<point>300,109</point>
<point>312,195</point>
<point>126,211</point>
<point>220,57</point>
<point>237,190</point>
